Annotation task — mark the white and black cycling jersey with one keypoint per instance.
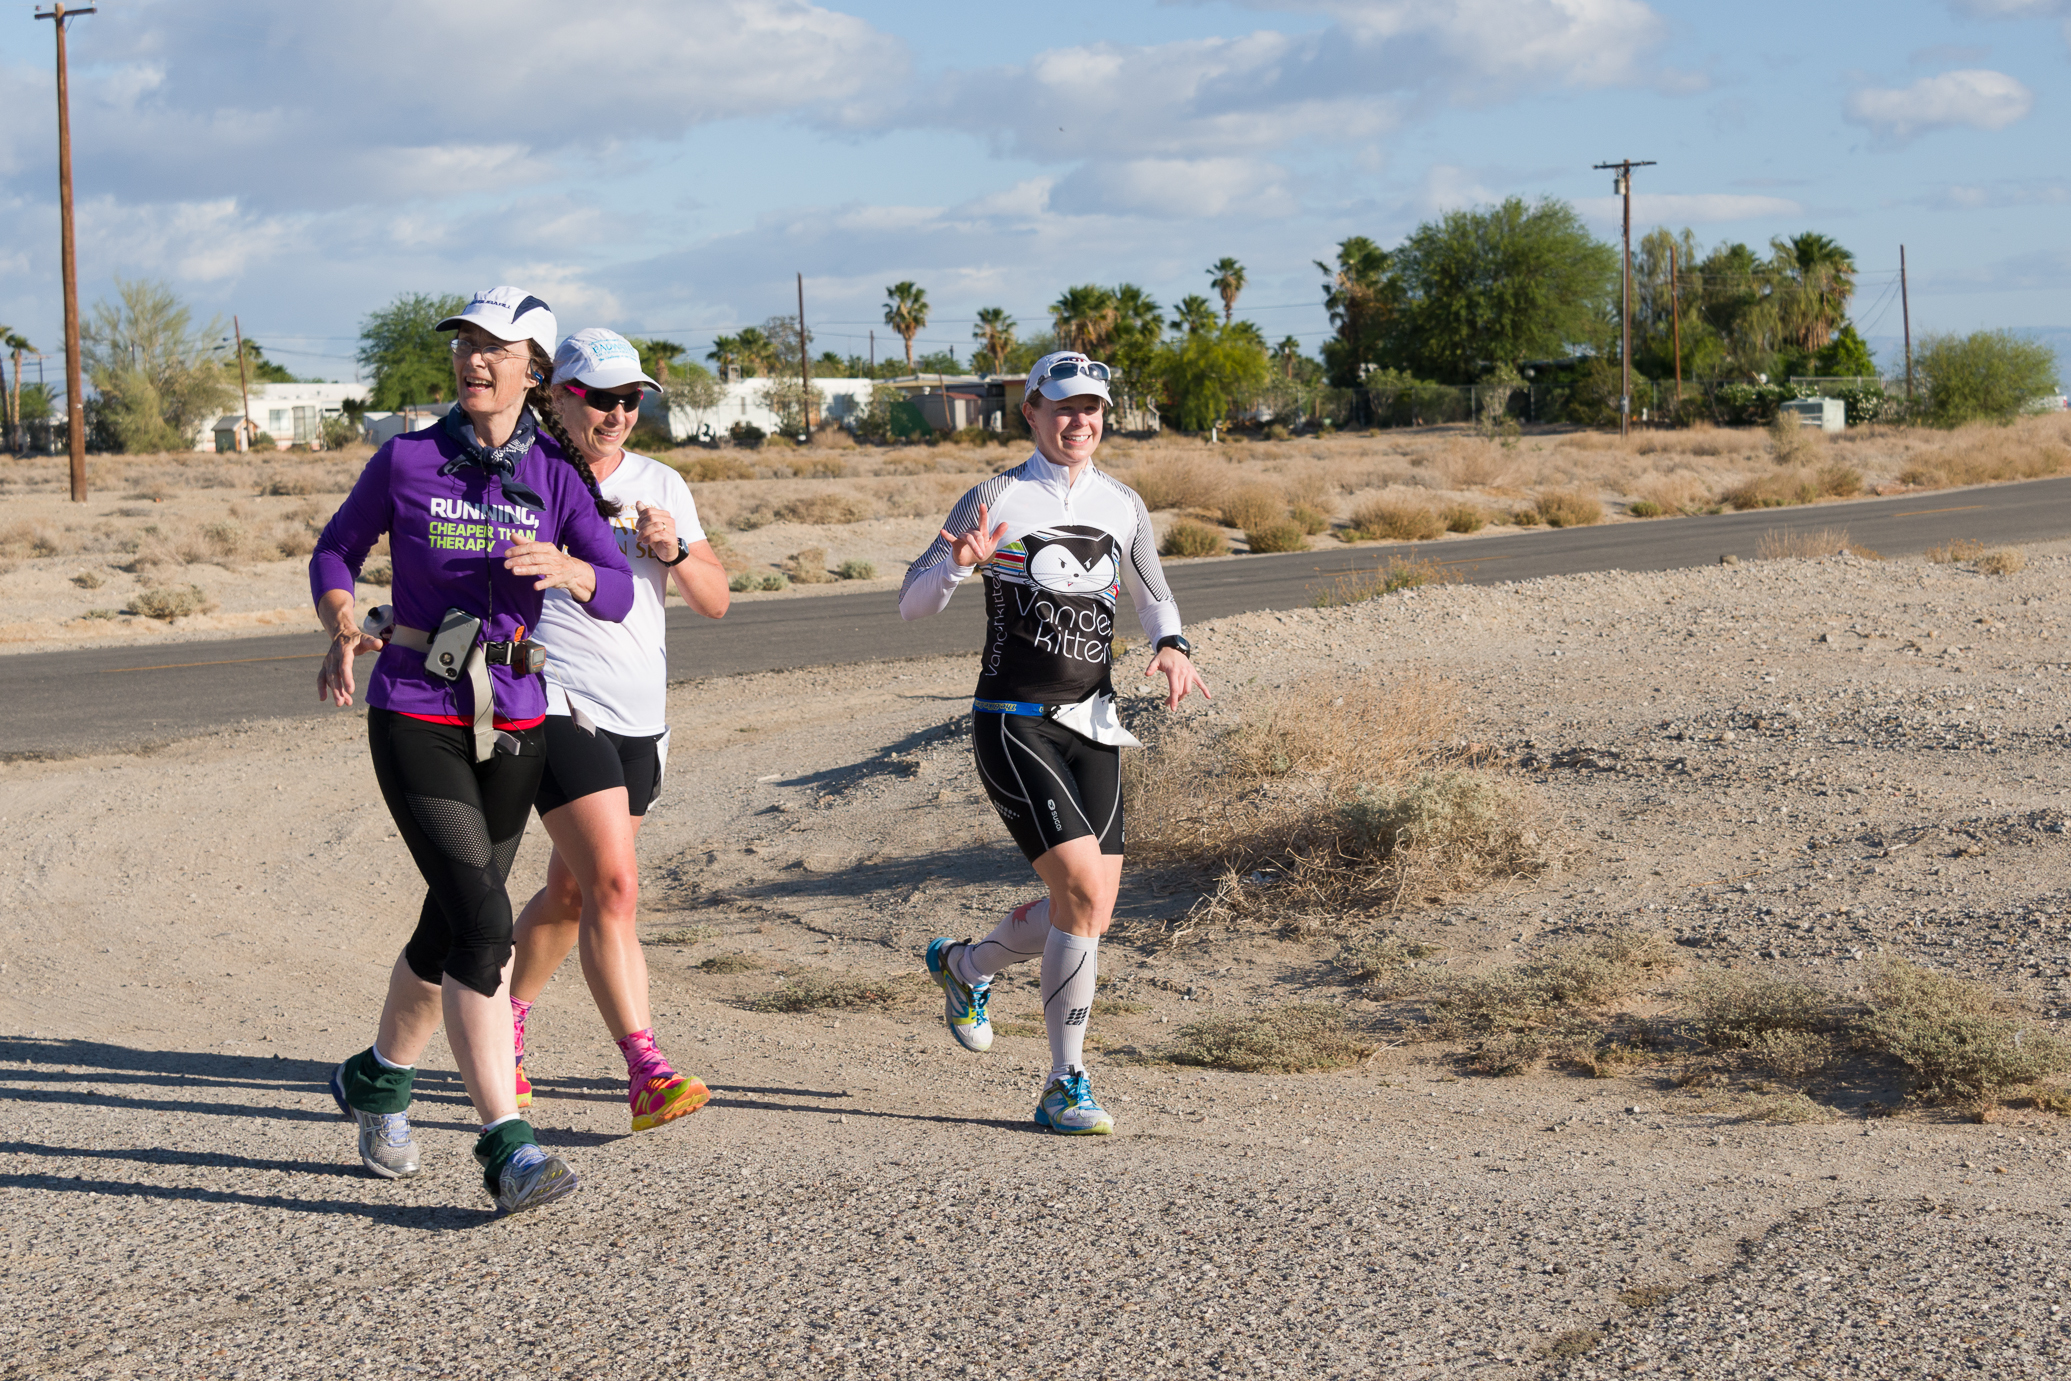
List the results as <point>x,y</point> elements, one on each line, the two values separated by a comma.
<point>1052,585</point>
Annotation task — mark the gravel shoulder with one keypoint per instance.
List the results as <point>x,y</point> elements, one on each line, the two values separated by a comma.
<point>1787,765</point>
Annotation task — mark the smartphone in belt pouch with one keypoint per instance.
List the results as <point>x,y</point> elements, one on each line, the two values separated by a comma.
<point>446,658</point>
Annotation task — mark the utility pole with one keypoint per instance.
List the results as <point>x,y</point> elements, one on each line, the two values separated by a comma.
<point>244,389</point>
<point>75,387</point>
<point>873,352</point>
<point>805,368</point>
<point>1623,187</point>
<point>1675,316</point>
<point>1905,307</point>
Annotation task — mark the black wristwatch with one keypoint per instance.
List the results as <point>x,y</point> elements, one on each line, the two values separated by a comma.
<point>1186,649</point>
<point>682,553</point>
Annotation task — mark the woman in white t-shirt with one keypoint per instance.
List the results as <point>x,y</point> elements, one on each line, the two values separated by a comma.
<point>607,733</point>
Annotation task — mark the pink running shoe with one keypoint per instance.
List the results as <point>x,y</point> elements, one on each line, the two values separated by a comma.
<point>664,1099</point>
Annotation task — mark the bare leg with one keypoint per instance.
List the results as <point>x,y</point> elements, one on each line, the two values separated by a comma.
<point>1083,885</point>
<point>479,1030</point>
<point>410,1016</point>
<point>546,929</point>
<point>594,837</point>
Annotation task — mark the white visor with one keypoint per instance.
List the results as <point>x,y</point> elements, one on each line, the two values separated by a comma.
<point>597,358</point>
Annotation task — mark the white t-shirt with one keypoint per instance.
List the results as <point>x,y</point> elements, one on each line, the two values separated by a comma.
<point>618,673</point>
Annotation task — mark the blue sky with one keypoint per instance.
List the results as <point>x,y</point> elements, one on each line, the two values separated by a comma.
<point>665,166</point>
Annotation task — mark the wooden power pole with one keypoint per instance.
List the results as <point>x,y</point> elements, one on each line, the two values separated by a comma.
<point>1623,186</point>
<point>805,368</point>
<point>75,387</point>
<point>244,389</point>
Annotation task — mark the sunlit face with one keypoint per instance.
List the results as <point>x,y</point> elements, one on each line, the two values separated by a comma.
<point>494,383</point>
<point>1066,430</point>
<point>598,435</point>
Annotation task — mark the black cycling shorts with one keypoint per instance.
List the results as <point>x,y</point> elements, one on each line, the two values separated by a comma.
<point>1048,784</point>
<point>580,763</point>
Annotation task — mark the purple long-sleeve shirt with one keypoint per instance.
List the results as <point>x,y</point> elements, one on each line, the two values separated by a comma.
<point>447,538</point>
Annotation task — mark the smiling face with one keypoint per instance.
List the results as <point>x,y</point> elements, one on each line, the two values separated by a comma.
<point>599,436</point>
<point>1066,430</point>
<point>491,387</point>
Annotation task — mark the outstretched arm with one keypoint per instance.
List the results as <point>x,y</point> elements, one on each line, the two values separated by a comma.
<point>967,539</point>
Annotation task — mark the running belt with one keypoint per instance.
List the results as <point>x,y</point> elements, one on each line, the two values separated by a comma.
<point>1009,707</point>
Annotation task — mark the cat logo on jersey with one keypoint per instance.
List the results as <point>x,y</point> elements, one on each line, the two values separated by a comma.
<point>1072,560</point>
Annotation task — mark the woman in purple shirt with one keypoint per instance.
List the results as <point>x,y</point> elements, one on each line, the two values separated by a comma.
<point>478,510</point>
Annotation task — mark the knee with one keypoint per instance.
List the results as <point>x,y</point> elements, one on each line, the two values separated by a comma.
<point>479,964</point>
<point>616,893</point>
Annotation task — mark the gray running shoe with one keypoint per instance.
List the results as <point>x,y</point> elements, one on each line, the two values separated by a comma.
<point>532,1179</point>
<point>386,1147</point>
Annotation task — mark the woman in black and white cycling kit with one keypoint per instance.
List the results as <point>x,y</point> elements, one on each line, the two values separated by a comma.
<point>1053,537</point>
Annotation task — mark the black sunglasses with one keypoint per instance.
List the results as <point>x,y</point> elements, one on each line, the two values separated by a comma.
<point>600,401</point>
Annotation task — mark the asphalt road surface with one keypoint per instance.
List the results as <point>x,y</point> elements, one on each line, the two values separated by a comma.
<point>62,703</point>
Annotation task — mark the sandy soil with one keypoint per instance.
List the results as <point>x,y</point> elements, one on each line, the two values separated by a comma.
<point>193,937</point>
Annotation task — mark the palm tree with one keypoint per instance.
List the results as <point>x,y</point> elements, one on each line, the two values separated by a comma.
<point>1194,313</point>
<point>1360,295</point>
<point>1085,318</point>
<point>1287,352</point>
<point>1137,315</point>
<point>906,311</point>
<point>725,355</point>
<point>995,335</point>
<point>1226,276</point>
<point>1823,276</point>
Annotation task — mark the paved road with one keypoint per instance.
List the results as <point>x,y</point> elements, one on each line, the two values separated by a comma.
<point>73,702</point>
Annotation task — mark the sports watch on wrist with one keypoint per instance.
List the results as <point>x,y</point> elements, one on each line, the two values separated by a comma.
<point>682,553</point>
<point>1186,649</point>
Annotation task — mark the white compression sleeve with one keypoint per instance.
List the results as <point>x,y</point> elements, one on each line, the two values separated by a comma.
<point>1071,967</point>
<point>1018,937</point>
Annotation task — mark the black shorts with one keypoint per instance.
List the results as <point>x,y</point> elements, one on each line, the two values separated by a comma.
<point>580,764</point>
<point>1048,784</point>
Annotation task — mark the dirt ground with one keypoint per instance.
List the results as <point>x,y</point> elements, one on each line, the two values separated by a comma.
<point>1790,767</point>
<point>230,536</point>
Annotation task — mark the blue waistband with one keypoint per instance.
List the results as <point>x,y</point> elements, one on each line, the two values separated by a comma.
<point>1006,707</point>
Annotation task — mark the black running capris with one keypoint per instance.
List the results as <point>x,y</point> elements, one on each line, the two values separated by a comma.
<point>581,763</point>
<point>463,821</point>
<point>1048,784</point>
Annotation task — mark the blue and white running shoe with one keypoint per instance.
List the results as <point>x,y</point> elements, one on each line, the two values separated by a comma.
<point>532,1179</point>
<point>1068,1107</point>
<point>963,1004</point>
<point>386,1147</point>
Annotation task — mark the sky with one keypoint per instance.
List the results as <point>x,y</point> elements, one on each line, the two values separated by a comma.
<point>665,167</point>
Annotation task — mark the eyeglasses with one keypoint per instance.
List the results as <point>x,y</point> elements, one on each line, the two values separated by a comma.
<point>1067,369</point>
<point>488,352</point>
<point>598,400</point>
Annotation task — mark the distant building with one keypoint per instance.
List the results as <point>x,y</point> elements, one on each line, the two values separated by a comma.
<point>292,414</point>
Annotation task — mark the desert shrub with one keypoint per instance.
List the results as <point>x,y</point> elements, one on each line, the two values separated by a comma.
<point>745,433</point>
<point>1987,457</point>
<point>822,510</point>
<point>1298,1038</point>
<point>731,963</point>
<point>1787,488</point>
<point>713,468</point>
<point>808,567</point>
<point>1180,482</point>
<point>1644,508</point>
<point>1961,1044</point>
<point>1985,376</point>
<point>304,480</point>
<point>1524,517</point>
<point>1381,964</point>
<point>89,580</point>
<point>1733,1009</point>
<point>1465,517</point>
<point>1515,1016</point>
<point>264,442</point>
<point>170,602</point>
<point>1776,545</point>
<point>1309,519</point>
<point>684,935</point>
<point>1250,506</point>
<point>1276,536</point>
<point>377,573</point>
<point>1189,538</point>
<point>1950,553</point>
<point>856,569</point>
<point>1316,806</point>
<point>1400,573</point>
<point>1277,432</point>
<point>2006,561</point>
<point>1794,443</point>
<point>1568,508</point>
<point>821,468</point>
<point>1393,521</point>
<point>814,990</point>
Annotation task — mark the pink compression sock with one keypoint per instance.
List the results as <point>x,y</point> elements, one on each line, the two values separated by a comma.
<point>643,1061</point>
<point>518,1012</point>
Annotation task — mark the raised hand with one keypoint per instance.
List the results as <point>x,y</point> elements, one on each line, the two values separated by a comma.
<point>555,569</point>
<point>975,547</point>
<point>657,531</point>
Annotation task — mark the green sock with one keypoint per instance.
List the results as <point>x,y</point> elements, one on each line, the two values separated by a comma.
<point>371,1086</point>
<point>495,1145</point>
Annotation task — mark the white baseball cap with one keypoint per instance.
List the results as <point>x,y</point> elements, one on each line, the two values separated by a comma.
<point>1084,376</point>
<point>509,313</point>
<point>597,358</point>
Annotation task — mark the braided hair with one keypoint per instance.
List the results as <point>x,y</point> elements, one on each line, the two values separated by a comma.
<point>541,399</point>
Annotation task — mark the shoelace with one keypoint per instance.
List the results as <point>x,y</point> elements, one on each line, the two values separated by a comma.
<point>395,1128</point>
<point>981,993</point>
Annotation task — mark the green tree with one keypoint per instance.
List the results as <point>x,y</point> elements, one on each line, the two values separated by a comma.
<point>1985,376</point>
<point>758,353</point>
<point>16,343</point>
<point>35,403</point>
<point>1208,372</point>
<point>1846,356</point>
<point>1286,354</point>
<point>1500,286</point>
<point>1364,298</point>
<point>401,346</point>
<point>725,354</point>
<point>1133,345</point>
<point>994,333</point>
<point>1226,276</point>
<point>1194,313</point>
<point>261,370</point>
<point>1085,318</point>
<point>906,311</point>
<point>691,385</point>
<point>1736,309</point>
<point>657,358</point>
<point>158,377</point>
<point>1820,276</point>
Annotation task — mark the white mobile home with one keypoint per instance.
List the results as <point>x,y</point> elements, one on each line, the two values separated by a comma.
<point>292,414</point>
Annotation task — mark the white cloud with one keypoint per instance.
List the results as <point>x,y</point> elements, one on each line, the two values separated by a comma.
<point>1975,97</point>
<point>1450,188</point>
<point>1689,208</point>
<point>1177,188</point>
<point>2009,192</point>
